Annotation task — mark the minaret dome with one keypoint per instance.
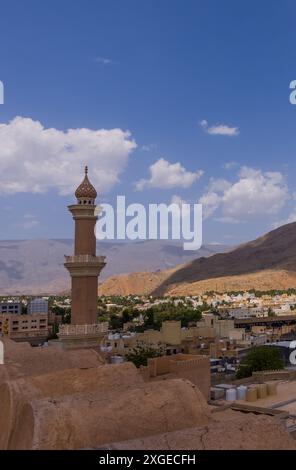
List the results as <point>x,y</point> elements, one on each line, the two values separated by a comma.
<point>86,193</point>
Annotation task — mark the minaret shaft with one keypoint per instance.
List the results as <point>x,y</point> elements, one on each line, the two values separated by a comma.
<point>85,240</point>
<point>84,300</point>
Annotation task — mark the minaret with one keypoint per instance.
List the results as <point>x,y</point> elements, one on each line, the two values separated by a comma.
<point>84,267</point>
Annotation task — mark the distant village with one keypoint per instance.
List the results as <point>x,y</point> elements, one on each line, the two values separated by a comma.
<point>223,326</point>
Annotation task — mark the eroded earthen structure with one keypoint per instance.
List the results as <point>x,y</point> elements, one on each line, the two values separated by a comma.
<point>55,399</point>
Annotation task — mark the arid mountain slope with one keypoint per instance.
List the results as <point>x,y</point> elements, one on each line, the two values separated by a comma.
<point>265,263</point>
<point>135,283</point>
<point>36,266</point>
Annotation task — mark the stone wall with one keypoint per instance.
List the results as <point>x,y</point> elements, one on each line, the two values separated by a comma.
<point>274,375</point>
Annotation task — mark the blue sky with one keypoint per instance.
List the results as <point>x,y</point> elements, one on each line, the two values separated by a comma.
<point>157,69</point>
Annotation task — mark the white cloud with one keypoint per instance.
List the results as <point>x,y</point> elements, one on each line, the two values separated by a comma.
<point>148,147</point>
<point>218,185</point>
<point>230,165</point>
<point>183,205</point>
<point>29,221</point>
<point>210,202</point>
<point>255,193</point>
<point>219,129</point>
<point>34,159</point>
<point>228,220</point>
<point>175,199</point>
<point>166,175</point>
<point>103,61</point>
<point>291,218</point>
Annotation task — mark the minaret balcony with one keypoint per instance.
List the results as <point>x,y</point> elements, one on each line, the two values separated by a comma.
<point>84,265</point>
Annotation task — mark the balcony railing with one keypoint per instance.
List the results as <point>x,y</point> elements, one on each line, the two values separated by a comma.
<point>77,330</point>
<point>85,259</point>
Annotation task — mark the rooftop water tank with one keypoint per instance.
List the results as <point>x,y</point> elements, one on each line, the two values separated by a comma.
<point>241,392</point>
<point>262,391</point>
<point>116,359</point>
<point>251,394</point>
<point>231,394</point>
<point>272,388</point>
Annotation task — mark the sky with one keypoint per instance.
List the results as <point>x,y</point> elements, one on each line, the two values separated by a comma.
<point>164,100</point>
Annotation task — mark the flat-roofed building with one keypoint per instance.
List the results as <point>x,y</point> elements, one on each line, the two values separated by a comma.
<point>24,327</point>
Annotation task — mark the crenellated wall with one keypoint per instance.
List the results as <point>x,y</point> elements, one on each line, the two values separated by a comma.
<point>186,366</point>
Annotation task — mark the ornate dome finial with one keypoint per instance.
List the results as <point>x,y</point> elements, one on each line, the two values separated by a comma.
<point>86,190</point>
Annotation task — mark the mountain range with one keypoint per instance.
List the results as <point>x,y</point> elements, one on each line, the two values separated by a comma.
<point>36,266</point>
<point>154,267</point>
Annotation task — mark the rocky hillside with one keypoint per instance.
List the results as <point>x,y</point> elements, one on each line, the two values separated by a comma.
<point>268,262</point>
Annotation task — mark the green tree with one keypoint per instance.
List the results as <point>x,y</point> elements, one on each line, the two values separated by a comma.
<point>156,315</point>
<point>115,322</point>
<point>103,318</point>
<point>141,353</point>
<point>128,313</point>
<point>67,317</point>
<point>260,358</point>
<point>270,312</point>
<point>58,310</point>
